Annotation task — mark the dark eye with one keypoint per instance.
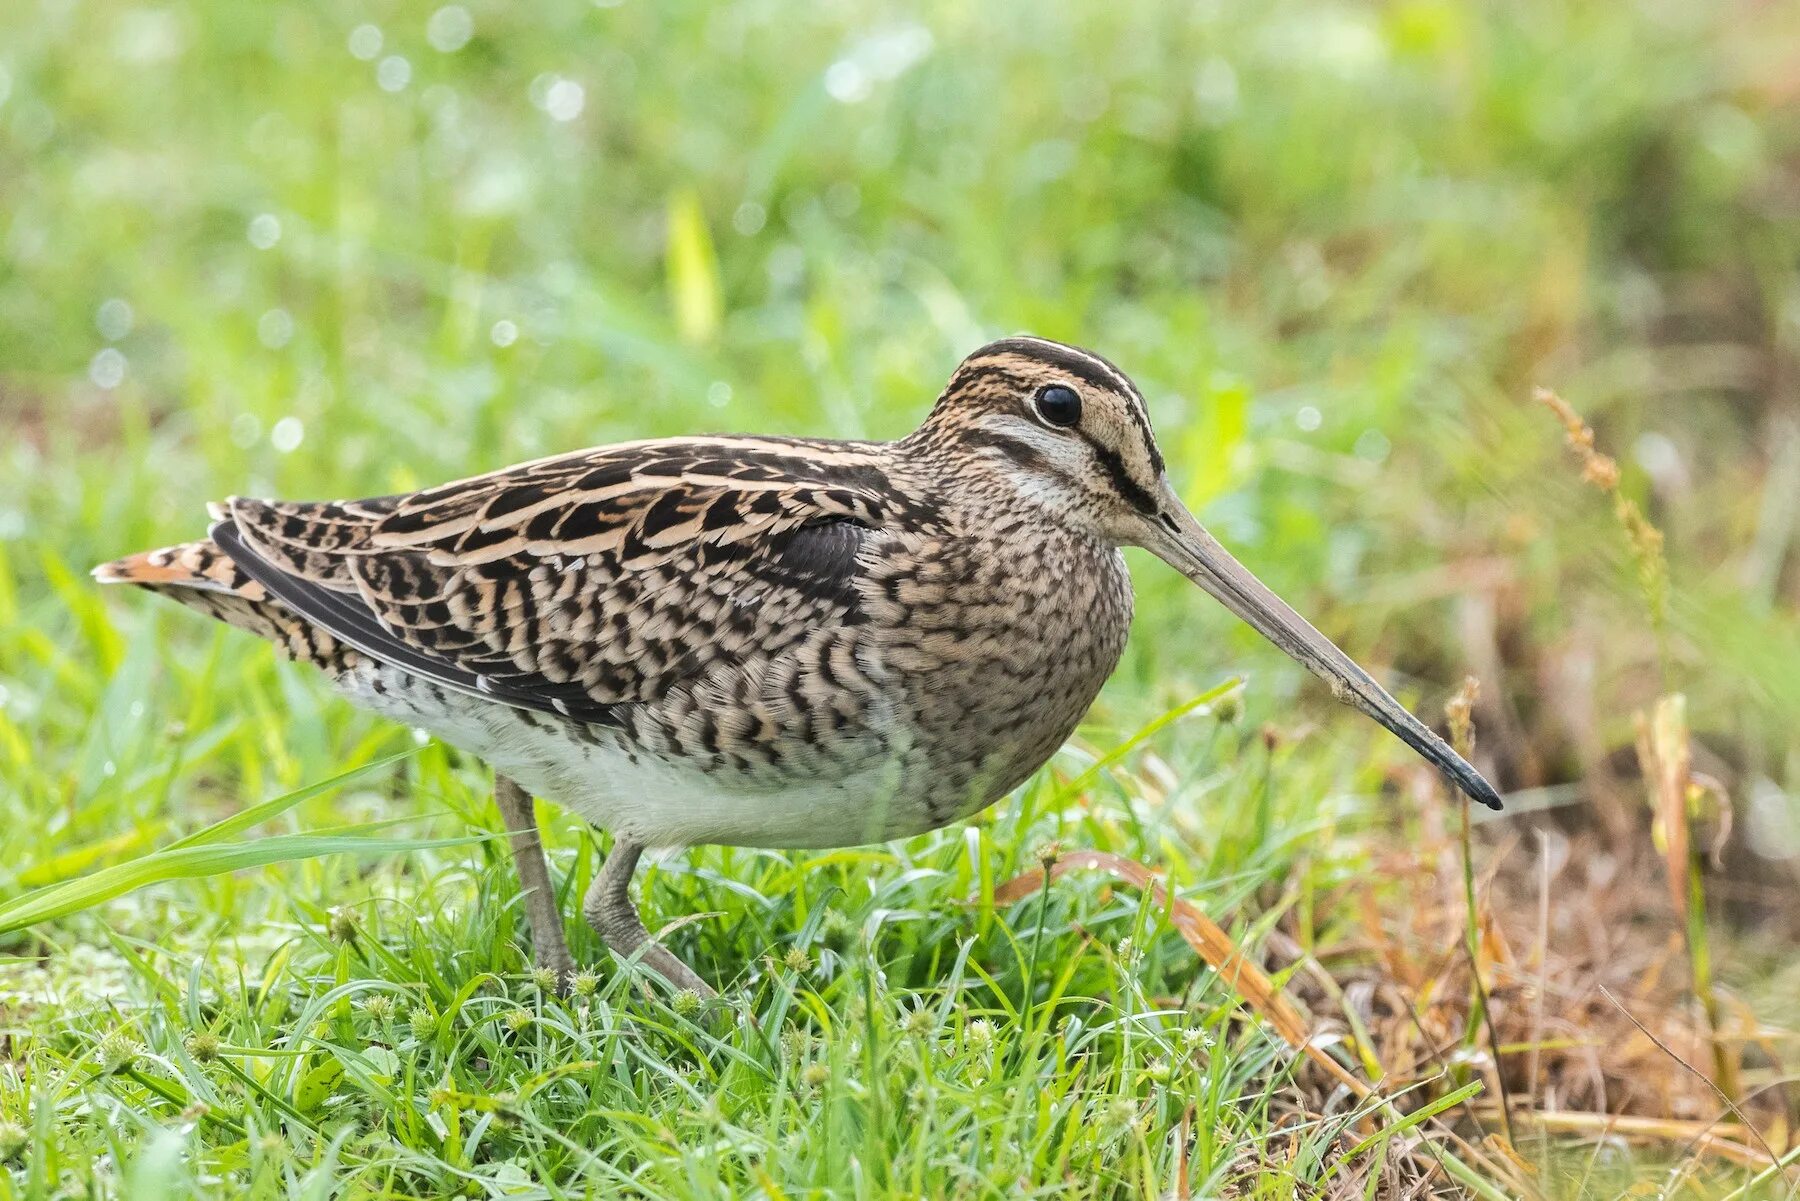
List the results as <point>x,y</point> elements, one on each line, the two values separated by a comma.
<point>1059,406</point>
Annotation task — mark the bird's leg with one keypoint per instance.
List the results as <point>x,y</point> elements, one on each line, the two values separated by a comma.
<point>547,945</point>
<point>610,912</point>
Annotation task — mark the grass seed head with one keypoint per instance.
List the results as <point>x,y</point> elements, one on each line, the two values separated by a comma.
<point>687,1002</point>
<point>421,1021</point>
<point>379,1006</point>
<point>203,1046</point>
<point>13,1139</point>
<point>517,1019</point>
<point>919,1021</point>
<point>118,1050</point>
<point>340,925</point>
<point>583,983</point>
<point>1120,1114</point>
<point>797,960</point>
<point>814,1076</point>
<point>543,979</point>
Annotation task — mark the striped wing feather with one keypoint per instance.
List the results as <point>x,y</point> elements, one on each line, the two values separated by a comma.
<point>584,582</point>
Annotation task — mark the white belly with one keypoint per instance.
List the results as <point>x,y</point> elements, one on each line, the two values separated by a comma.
<point>660,801</point>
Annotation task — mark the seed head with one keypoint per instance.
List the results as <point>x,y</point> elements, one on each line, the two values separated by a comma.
<point>202,1045</point>
<point>517,1019</point>
<point>1230,707</point>
<point>13,1138</point>
<point>919,1021</point>
<point>340,925</point>
<point>544,979</point>
<point>836,927</point>
<point>118,1050</point>
<point>814,1075</point>
<point>979,1034</point>
<point>797,960</point>
<point>1120,1114</point>
<point>687,1002</point>
<point>421,1021</point>
<point>1195,1039</point>
<point>379,1006</point>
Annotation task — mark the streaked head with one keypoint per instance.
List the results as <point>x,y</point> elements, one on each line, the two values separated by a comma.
<point>1066,431</point>
<point>1063,428</point>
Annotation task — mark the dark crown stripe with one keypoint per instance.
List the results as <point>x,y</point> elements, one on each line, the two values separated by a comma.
<point>1088,368</point>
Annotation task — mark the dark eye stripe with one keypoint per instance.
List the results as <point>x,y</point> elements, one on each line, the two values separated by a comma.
<point>1121,480</point>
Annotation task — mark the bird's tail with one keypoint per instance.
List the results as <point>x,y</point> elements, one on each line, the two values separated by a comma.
<point>202,576</point>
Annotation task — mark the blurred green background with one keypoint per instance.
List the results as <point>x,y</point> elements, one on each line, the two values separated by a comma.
<point>327,249</point>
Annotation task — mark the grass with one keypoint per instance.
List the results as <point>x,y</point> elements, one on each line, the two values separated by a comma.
<point>1335,244</point>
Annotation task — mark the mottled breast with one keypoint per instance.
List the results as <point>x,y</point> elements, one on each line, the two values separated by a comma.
<point>998,645</point>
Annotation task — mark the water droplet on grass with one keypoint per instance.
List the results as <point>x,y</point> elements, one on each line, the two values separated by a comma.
<point>393,73</point>
<point>113,319</point>
<point>107,369</point>
<point>749,218</point>
<point>287,434</point>
<point>564,100</point>
<point>1373,445</point>
<point>1308,419</point>
<point>846,82</point>
<point>365,42</point>
<point>504,333</point>
<point>450,29</point>
<point>264,231</point>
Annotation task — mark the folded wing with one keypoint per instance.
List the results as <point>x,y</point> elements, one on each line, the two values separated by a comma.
<point>581,583</point>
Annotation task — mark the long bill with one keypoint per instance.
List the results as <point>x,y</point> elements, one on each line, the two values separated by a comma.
<point>1177,537</point>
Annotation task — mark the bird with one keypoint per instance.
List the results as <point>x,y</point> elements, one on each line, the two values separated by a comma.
<point>755,641</point>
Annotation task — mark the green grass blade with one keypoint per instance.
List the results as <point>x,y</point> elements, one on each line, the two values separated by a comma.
<point>255,815</point>
<point>188,862</point>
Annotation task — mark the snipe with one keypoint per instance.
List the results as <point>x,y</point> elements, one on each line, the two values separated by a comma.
<point>769,642</point>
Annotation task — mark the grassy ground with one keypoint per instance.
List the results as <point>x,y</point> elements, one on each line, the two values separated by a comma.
<point>331,249</point>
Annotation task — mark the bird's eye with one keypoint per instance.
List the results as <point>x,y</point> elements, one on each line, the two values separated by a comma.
<point>1059,405</point>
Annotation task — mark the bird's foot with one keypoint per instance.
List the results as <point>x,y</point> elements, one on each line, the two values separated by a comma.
<point>659,959</point>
